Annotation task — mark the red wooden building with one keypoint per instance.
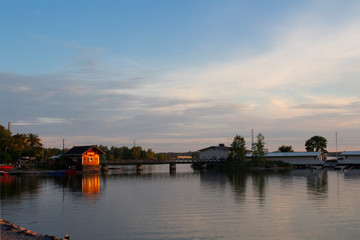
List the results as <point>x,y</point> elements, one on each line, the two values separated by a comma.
<point>85,158</point>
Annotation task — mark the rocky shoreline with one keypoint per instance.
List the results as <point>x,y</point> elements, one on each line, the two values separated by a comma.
<point>10,231</point>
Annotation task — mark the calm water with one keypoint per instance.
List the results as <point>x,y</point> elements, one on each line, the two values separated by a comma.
<point>300,204</point>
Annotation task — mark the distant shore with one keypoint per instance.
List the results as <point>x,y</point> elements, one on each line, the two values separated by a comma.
<point>10,231</point>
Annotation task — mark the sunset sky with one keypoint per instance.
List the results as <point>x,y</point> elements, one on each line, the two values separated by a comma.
<point>181,75</point>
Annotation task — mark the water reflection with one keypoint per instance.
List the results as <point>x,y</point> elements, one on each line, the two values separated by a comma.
<point>14,186</point>
<point>352,174</point>
<point>238,182</point>
<point>91,184</point>
<point>317,182</point>
<point>259,179</point>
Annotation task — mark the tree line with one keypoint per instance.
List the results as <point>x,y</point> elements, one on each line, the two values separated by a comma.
<point>136,152</point>
<point>13,147</point>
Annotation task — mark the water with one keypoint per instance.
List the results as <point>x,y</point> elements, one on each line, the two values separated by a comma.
<point>300,204</point>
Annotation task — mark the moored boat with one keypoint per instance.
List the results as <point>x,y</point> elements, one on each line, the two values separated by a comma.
<point>62,172</point>
<point>6,167</point>
<point>71,172</point>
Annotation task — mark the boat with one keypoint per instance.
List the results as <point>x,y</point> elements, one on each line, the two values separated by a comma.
<point>62,172</point>
<point>71,172</point>
<point>6,167</point>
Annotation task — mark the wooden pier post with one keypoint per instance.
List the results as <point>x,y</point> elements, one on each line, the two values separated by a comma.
<point>105,168</point>
<point>172,168</point>
<point>139,168</point>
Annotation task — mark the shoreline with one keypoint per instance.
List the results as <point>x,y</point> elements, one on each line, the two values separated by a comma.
<point>11,231</point>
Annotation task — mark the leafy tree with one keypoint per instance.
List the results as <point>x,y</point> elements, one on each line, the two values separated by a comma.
<point>150,154</point>
<point>237,151</point>
<point>126,153</point>
<point>136,152</point>
<point>195,155</point>
<point>162,156</point>
<point>259,154</point>
<point>49,152</point>
<point>5,157</point>
<point>34,145</point>
<point>5,139</point>
<point>316,144</point>
<point>33,141</point>
<point>284,148</point>
<point>117,152</point>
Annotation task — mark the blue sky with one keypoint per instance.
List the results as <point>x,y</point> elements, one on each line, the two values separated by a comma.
<point>181,75</point>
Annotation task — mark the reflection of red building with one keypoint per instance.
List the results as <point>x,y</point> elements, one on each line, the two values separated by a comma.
<point>91,184</point>
<point>6,180</point>
<point>86,158</point>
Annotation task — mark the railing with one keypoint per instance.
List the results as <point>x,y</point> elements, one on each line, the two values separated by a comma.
<point>156,161</point>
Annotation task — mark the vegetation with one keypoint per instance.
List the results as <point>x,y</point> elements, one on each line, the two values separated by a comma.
<point>236,161</point>
<point>237,153</point>
<point>125,153</point>
<point>316,144</point>
<point>259,154</point>
<point>19,145</point>
<point>284,148</point>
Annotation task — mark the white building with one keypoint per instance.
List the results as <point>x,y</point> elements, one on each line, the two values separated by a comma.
<point>297,158</point>
<point>214,153</point>
<point>349,157</point>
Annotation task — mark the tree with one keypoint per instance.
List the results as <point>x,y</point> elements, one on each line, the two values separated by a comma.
<point>5,139</point>
<point>150,154</point>
<point>259,154</point>
<point>284,148</point>
<point>162,156</point>
<point>237,151</point>
<point>117,152</point>
<point>316,144</point>
<point>136,152</point>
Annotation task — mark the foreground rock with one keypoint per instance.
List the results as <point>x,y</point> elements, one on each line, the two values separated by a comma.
<point>10,231</point>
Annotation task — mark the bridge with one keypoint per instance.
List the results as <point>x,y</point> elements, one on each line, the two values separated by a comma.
<point>172,163</point>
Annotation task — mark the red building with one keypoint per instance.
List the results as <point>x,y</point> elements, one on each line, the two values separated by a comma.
<point>86,158</point>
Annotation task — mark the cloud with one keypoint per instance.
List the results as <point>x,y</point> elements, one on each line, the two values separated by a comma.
<point>305,82</point>
<point>40,121</point>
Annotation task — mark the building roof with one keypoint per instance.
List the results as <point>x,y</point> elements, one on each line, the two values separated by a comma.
<point>293,154</point>
<point>80,150</point>
<point>56,156</point>
<point>215,147</point>
<point>350,153</point>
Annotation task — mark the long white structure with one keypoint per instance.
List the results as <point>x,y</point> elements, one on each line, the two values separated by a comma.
<point>297,158</point>
<point>349,157</point>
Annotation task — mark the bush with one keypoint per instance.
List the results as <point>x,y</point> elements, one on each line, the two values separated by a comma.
<point>61,163</point>
<point>5,158</point>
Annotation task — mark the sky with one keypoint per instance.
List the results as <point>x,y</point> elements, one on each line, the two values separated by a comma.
<point>181,75</point>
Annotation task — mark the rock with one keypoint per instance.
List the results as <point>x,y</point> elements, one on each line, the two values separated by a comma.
<point>10,231</point>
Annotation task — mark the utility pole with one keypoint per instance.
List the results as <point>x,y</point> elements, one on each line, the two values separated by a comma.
<point>63,146</point>
<point>336,144</point>
<point>252,140</point>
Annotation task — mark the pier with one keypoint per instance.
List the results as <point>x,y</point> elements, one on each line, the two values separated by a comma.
<point>204,163</point>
